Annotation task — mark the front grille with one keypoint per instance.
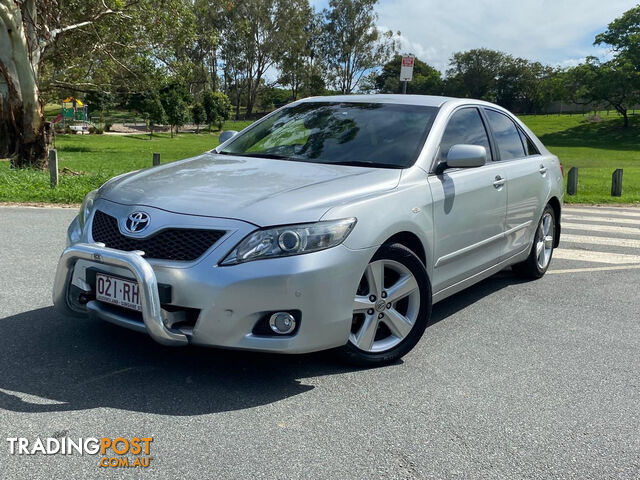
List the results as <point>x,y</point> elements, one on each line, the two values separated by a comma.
<point>183,244</point>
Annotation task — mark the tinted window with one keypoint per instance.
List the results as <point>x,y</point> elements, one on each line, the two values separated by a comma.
<point>506,135</point>
<point>529,146</point>
<point>362,134</point>
<point>465,127</point>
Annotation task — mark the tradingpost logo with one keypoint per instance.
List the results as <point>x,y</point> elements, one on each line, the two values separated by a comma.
<point>119,452</point>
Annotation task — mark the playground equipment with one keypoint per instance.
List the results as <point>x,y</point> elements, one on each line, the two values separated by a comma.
<point>75,114</point>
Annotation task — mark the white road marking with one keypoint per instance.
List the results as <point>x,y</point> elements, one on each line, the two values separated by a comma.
<point>596,257</point>
<point>625,212</point>
<point>622,221</point>
<point>571,225</point>
<point>593,269</point>
<point>609,241</point>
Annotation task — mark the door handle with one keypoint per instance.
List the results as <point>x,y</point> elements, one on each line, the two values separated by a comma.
<point>542,169</point>
<point>499,181</point>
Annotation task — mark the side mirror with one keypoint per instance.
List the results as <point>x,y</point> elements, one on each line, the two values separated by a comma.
<point>226,135</point>
<point>464,156</point>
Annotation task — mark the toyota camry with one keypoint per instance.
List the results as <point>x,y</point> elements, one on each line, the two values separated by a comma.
<point>334,222</point>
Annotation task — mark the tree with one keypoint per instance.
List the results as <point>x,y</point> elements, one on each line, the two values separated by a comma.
<point>426,79</point>
<point>175,104</point>
<point>614,83</point>
<point>256,34</point>
<point>197,114</point>
<point>217,108</point>
<point>75,45</point>
<point>623,35</point>
<point>153,111</point>
<point>474,73</point>
<point>519,86</point>
<point>295,60</point>
<point>352,42</point>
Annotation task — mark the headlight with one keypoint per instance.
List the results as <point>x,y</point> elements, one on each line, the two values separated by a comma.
<point>290,240</point>
<point>86,207</point>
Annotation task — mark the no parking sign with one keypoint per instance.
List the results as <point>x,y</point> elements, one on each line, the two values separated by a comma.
<point>406,69</point>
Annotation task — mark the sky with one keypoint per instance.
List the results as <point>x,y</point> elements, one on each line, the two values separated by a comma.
<point>558,33</point>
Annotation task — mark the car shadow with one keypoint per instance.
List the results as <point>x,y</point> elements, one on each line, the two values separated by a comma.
<point>451,305</point>
<point>52,364</point>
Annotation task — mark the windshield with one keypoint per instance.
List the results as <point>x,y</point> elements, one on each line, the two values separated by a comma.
<point>367,134</point>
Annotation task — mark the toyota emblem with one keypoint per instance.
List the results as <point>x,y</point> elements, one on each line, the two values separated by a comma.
<point>136,222</point>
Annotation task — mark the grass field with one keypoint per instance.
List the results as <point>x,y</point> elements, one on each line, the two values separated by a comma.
<point>597,148</point>
<point>100,157</point>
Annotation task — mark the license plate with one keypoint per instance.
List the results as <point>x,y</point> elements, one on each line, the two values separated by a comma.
<point>118,291</point>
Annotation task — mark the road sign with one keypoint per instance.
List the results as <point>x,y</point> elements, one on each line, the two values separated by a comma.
<point>406,70</point>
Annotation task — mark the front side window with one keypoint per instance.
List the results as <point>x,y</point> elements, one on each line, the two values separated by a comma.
<point>506,134</point>
<point>465,127</point>
<point>362,134</point>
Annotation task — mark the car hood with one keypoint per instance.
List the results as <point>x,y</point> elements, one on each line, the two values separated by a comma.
<point>261,191</point>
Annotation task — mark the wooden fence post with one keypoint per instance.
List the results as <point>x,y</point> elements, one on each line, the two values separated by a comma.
<point>616,183</point>
<point>572,181</point>
<point>53,167</point>
<point>156,159</point>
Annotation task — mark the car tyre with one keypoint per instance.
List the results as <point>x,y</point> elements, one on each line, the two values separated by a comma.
<point>392,308</point>
<point>537,263</point>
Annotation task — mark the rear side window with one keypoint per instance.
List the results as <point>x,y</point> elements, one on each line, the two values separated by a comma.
<point>529,146</point>
<point>506,135</point>
<point>465,127</point>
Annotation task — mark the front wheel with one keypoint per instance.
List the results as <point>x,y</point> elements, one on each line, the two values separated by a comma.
<point>392,307</point>
<point>539,258</point>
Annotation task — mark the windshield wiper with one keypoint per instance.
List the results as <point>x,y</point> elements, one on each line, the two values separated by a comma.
<point>356,163</point>
<point>274,156</point>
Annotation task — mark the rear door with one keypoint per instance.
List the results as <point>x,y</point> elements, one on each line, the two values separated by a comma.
<point>526,184</point>
<point>469,206</point>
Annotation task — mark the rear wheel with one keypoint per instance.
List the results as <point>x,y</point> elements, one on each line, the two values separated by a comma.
<point>391,308</point>
<point>539,258</point>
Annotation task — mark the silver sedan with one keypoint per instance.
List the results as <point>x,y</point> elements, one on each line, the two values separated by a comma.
<point>334,222</point>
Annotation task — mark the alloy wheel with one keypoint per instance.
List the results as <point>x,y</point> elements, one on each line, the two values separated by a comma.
<point>544,241</point>
<point>386,306</point>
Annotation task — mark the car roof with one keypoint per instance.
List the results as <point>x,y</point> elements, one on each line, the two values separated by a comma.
<point>426,100</point>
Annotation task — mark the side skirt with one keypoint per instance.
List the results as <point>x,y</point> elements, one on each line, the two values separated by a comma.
<point>461,285</point>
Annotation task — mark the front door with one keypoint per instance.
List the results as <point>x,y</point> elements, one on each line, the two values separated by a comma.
<point>469,206</point>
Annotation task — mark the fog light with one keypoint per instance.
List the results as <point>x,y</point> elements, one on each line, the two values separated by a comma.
<point>282,323</point>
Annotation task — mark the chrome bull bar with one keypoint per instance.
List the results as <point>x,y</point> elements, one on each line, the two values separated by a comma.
<point>138,266</point>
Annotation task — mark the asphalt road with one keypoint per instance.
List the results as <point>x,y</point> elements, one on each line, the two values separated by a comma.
<point>513,379</point>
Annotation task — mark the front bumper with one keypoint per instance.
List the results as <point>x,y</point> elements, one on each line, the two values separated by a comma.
<point>143,274</point>
<point>230,300</point>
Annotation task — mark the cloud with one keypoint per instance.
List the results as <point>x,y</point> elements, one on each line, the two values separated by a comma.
<point>556,32</point>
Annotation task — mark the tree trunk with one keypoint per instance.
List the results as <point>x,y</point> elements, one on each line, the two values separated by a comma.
<point>625,115</point>
<point>250,99</point>
<point>22,136</point>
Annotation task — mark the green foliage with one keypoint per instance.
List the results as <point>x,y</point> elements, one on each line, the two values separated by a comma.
<point>614,83</point>
<point>352,43</point>
<point>176,108</point>
<point>426,79</point>
<point>623,35</point>
<point>217,108</point>
<point>153,110</point>
<point>514,83</point>
<point>197,114</point>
